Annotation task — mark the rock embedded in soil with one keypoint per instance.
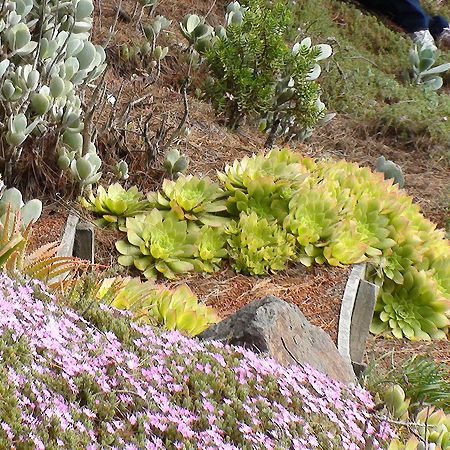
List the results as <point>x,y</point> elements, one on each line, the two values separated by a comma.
<point>279,329</point>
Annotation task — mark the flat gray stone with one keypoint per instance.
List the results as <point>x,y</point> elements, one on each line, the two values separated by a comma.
<point>274,327</point>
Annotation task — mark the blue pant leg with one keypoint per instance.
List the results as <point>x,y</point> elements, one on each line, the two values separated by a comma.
<point>408,14</point>
<point>437,25</point>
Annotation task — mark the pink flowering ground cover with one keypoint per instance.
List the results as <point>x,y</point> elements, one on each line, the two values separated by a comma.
<point>94,380</point>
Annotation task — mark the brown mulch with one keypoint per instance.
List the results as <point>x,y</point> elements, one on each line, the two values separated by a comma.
<point>48,228</point>
<point>387,352</point>
<point>317,291</point>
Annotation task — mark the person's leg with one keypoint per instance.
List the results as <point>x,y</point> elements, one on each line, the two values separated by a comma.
<point>408,14</point>
<point>437,25</point>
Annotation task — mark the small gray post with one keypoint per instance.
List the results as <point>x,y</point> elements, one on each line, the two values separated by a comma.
<point>83,246</point>
<point>348,303</point>
<point>68,237</point>
<point>361,319</point>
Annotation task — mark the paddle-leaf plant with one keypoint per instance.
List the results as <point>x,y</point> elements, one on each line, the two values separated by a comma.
<point>47,61</point>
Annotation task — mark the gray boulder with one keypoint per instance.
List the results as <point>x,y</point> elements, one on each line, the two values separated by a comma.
<point>274,327</point>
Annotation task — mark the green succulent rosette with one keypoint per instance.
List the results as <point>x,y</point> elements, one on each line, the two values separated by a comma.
<point>191,198</point>
<point>158,244</point>
<point>173,309</point>
<point>211,245</point>
<point>415,310</point>
<point>115,204</point>
<point>279,165</point>
<point>258,247</point>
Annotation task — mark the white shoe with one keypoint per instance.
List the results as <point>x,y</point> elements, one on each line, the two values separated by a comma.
<point>444,38</point>
<point>423,38</point>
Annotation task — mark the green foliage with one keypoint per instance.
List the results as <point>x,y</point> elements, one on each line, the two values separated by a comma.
<point>430,429</point>
<point>414,309</point>
<point>390,170</point>
<point>176,309</point>
<point>424,381</point>
<point>283,207</point>
<point>264,183</point>
<point>115,204</point>
<point>396,402</point>
<point>175,163</point>
<point>48,60</point>
<point>157,243</point>
<point>364,81</point>
<point>147,52</point>
<point>255,73</point>
<point>423,72</point>
<point>41,264</point>
<point>11,200</point>
<point>191,198</point>
<point>258,247</point>
<point>246,63</point>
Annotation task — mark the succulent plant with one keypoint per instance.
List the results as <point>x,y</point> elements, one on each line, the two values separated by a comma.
<point>179,310</point>
<point>11,200</point>
<point>85,169</point>
<point>121,170</point>
<point>158,244</point>
<point>313,217</point>
<point>49,61</point>
<point>115,204</point>
<point>390,170</point>
<point>173,309</point>
<point>258,247</point>
<point>416,309</point>
<point>297,107</point>
<point>396,402</point>
<point>195,30</point>
<point>211,249</point>
<point>422,60</point>
<point>191,198</point>
<point>281,165</point>
<point>175,163</point>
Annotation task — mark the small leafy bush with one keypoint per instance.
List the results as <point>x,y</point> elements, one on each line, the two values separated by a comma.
<point>91,378</point>
<point>254,73</point>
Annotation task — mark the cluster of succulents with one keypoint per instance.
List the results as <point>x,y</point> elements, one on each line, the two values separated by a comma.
<point>257,246</point>
<point>48,59</point>
<point>277,207</point>
<point>89,377</point>
<point>158,243</point>
<point>429,427</point>
<point>172,309</point>
<point>149,48</point>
